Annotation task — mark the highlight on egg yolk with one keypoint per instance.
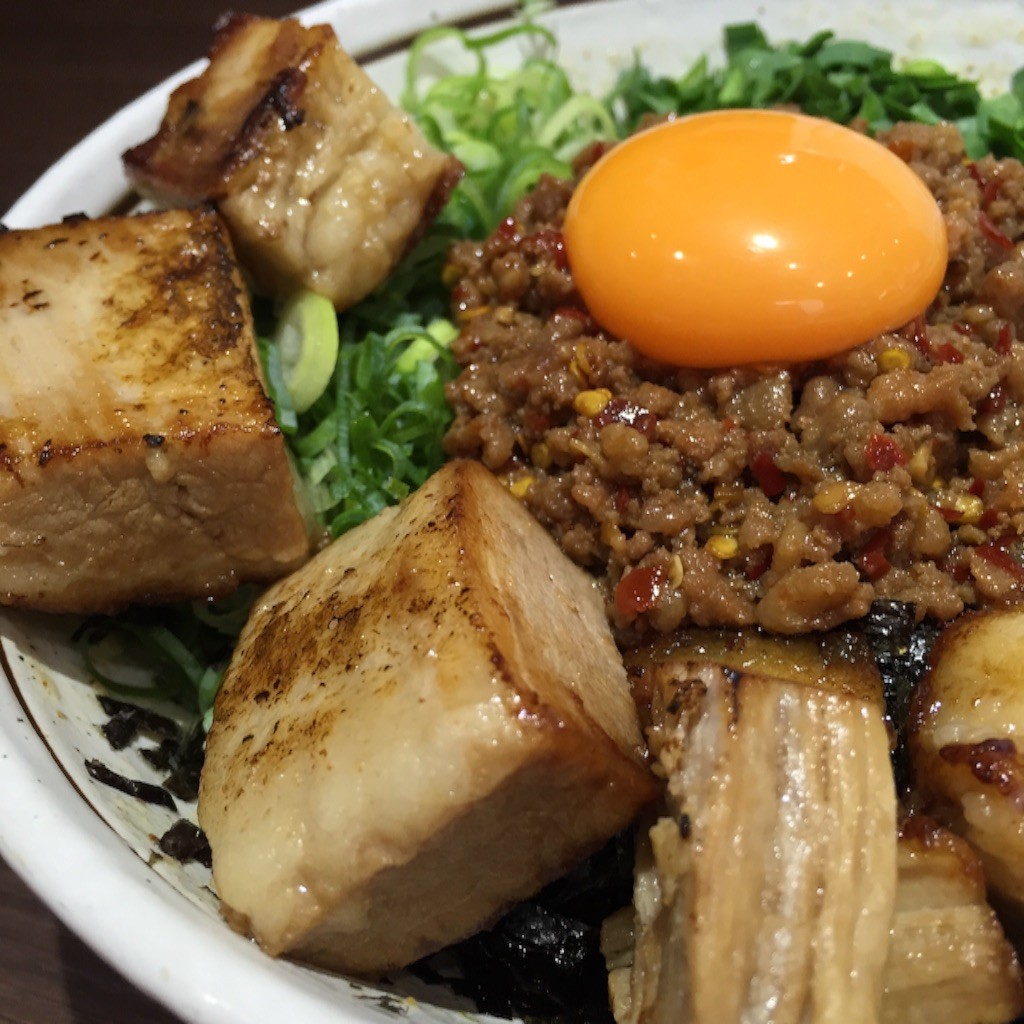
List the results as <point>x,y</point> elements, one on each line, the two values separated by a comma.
<point>749,236</point>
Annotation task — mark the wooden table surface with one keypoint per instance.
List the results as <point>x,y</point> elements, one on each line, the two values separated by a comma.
<point>65,66</point>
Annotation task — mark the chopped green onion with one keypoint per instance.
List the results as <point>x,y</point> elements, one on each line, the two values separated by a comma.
<point>307,342</point>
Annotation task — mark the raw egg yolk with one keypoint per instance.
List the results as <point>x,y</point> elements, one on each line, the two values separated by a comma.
<point>753,236</point>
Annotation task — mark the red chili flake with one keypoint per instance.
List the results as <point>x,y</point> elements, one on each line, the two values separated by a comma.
<point>551,242</point>
<point>919,335</point>
<point>621,410</point>
<point>638,591</point>
<point>951,515</point>
<point>728,423</point>
<point>994,401</point>
<point>947,353</point>
<point>537,420</point>
<point>769,477</point>
<point>622,497</point>
<point>977,487</point>
<point>872,559</point>
<point>989,186</point>
<point>988,519</point>
<point>883,453</point>
<point>965,329</point>
<point>508,229</point>
<point>992,232</point>
<point>1005,340</point>
<point>573,313</point>
<point>996,556</point>
<point>955,566</point>
<point>1003,541</point>
<point>843,520</point>
<point>758,562</point>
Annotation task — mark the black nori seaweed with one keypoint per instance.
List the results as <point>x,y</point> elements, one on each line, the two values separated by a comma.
<point>184,842</point>
<point>543,959</point>
<point>161,757</point>
<point>537,963</point>
<point>186,764</point>
<point>128,720</point>
<point>133,787</point>
<point>902,648</point>
<point>179,753</point>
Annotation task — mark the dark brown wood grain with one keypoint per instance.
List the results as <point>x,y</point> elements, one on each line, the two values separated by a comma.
<point>48,976</point>
<point>66,66</point>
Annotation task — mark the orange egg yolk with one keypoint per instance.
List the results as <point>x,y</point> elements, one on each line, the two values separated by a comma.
<point>752,236</point>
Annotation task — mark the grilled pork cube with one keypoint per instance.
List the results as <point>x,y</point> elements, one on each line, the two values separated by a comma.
<point>764,890</point>
<point>139,457</point>
<point>964,724</point>
<point>419,728</point>
<point>949,961</point>
<point>323,182</point>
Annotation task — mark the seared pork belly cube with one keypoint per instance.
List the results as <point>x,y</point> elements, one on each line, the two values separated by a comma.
<point>949,961</point>
<point>764,888</point>
<point>963,734</point>
<point>323,181</point>
<point>418,729</point>
<point>139,457</point>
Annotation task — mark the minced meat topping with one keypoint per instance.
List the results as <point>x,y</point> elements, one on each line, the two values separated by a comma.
<point>788,496</point>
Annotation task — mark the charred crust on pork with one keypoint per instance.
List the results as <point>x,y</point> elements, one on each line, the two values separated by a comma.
<point>993,762</point>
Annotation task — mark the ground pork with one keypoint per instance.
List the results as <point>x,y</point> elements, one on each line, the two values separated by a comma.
<point>787,496</point>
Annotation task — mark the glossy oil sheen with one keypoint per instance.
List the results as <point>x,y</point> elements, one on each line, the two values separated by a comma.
<point>751,236</point>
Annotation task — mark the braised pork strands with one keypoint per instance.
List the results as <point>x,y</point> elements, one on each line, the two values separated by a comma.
<point>784,496</point>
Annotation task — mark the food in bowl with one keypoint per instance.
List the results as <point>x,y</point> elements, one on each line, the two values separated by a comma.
<point>784,495</point>
<point>520,485</point>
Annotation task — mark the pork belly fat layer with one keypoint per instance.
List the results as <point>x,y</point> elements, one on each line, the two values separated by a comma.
<point>765,890</point>
<point>949,961</point>
<point>324,183</point>
<point>139,457</point>
<point>419,728</point>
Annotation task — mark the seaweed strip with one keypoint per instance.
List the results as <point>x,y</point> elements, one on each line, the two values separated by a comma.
<point>542,960</point>
<point>902,648</point>
<point>132,787</point>
<point>126,721</point>
<point>185,841</point>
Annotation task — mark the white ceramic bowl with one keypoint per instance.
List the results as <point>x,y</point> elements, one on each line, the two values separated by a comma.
<point>86,849</point>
